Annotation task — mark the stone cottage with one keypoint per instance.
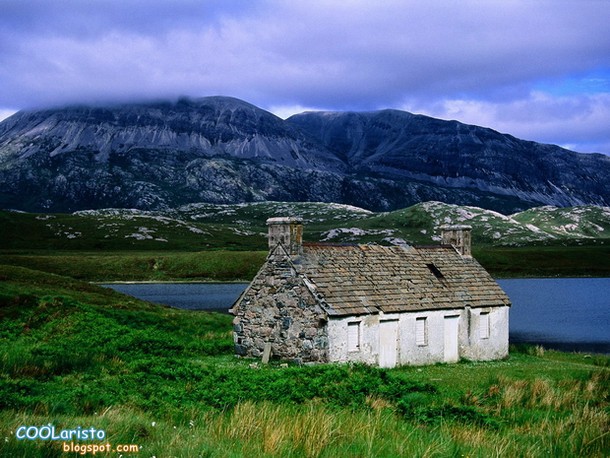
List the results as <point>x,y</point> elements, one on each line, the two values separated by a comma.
<point>379,305</point>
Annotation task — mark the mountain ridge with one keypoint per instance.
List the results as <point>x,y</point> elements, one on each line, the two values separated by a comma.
<point>396,143</point>
<point>223,150</point>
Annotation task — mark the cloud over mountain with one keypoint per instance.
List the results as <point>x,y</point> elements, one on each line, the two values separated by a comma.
<point>420,56</point>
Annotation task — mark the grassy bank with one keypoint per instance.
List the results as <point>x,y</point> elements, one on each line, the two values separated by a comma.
<point>73,354</point>
<point>143,266</point>
<point>545,261</point>
<point>571,261</point>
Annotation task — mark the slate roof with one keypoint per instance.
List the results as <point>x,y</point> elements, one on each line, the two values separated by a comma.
<point>365,279</point>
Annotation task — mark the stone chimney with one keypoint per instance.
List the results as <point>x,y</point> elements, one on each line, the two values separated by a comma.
<point>458,236</point>
<point>288,232</point>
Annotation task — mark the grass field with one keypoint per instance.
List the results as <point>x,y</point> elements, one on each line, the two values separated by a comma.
<point>222,265</point>
<point>73,354</point>
<point>143,266</point>
<point>545,261</point>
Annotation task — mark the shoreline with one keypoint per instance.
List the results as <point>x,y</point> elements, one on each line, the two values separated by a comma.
<point>170,282</point>
<point>228,282</point>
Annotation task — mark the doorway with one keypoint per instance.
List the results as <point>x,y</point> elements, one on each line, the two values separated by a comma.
<point>388,343</point>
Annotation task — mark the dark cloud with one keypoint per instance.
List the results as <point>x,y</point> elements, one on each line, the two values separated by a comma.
<point>86,19</point>
<point>321,54</point>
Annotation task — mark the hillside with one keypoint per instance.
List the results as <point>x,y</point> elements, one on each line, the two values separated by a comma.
<point>242,226</point>
<point>162,155</point>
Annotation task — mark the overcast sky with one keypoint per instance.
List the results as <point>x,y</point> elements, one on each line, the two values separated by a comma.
<point>539,70</point>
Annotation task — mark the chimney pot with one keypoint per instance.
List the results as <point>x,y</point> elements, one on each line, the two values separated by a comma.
<point>288,232</point>
<point>460,237</point>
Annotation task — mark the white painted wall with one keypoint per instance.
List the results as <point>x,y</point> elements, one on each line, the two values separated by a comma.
<point>496,346</point>
<point>376,331</point>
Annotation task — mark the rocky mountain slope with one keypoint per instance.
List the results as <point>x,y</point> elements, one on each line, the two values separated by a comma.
<point>222,150</point>
<point>400,145</point>
<point>158,155</point>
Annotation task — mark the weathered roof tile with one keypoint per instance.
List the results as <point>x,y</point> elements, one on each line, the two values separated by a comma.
<point>362,279</point>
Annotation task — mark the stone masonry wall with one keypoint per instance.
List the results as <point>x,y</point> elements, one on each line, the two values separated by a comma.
<point>279,309</point>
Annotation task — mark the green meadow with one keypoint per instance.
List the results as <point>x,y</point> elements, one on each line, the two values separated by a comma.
<point>74,354</point>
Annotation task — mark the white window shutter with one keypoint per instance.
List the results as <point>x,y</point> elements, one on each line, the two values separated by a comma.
<point>484,325</point>
<point>421,334</point>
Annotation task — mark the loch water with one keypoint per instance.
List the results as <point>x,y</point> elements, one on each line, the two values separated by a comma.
<point>211,297</point>
<point>570,314</point>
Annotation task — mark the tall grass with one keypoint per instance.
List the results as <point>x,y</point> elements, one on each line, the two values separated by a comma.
<point>544,393</point>
<point>264,429</point>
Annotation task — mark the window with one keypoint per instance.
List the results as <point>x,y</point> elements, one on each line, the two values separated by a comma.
<point>484,325</point>
<point>435,271</point>
<point>353,336</point>
<point>421,331</point>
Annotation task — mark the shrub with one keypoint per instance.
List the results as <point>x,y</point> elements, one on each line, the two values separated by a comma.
<point>420,408</point>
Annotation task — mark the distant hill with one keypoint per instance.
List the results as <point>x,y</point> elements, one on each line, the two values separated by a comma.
<point>156,156</point>
<point>242,226</point>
